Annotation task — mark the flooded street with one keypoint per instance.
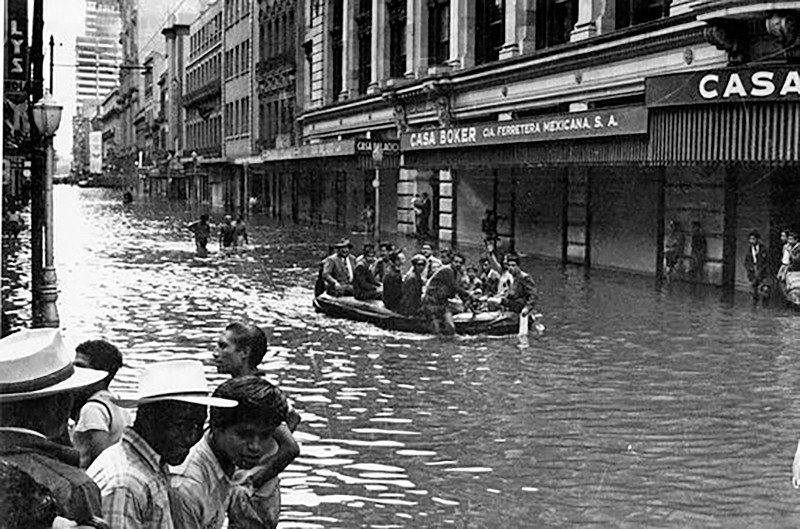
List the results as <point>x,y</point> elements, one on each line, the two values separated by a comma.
<point>637,408</point>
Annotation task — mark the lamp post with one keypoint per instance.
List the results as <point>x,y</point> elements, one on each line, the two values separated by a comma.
<point>46,117</point>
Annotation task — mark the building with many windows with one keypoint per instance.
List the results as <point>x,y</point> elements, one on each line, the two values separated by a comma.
<point>98,52</point>
<point>578,128</point>
<point>202,102</point>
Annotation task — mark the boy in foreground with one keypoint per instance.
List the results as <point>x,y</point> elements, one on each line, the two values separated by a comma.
<point>204,486</point>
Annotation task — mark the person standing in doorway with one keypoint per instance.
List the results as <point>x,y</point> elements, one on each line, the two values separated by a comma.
<point>699,251</point>
<point>227,233</point>
<point>425,215</point>
<point>755,263</point>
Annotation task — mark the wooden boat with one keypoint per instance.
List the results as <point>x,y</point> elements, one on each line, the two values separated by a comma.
<point>494,323</point>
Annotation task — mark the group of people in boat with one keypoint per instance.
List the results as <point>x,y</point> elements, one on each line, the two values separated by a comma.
<point>434,287</point>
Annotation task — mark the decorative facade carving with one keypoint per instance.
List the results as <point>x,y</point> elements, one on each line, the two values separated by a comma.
<point>728,36</point>
<point>782,26</point>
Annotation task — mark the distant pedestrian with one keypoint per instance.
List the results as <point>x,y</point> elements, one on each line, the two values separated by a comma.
<point>202,231</point>
<point>755,263</point>
<point>425,215</point>
<point>37,381</point>
<point>240,232</point>
<point>699,251</point>
<point>227,233</point>
<point>99,422</point>
<point>674,241</point>
<point>489,224</point>
<point>368,218</point>
<point>786,255</point>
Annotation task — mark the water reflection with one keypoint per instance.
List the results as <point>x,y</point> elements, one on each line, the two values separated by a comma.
<point>638,407</point>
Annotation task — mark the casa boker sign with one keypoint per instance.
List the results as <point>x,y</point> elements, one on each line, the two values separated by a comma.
<point>576,125</point>
<point>726,85</point>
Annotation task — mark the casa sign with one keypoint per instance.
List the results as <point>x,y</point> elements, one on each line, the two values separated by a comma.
<point>724,86</point>
<point>601,123</point>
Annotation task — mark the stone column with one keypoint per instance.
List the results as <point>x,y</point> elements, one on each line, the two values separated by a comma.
<point>462,34</point>
<point>679,7</point>
<point>349,43</point>
<point>380,48</point>
<point>520,25</point>
<point>416,38</point>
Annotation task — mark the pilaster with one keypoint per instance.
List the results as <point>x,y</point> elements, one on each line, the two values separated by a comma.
<point>462,33</point>
<point>519,28</point>
<point>380,56</point>
<point>416,38</point>
<point>349,43</point>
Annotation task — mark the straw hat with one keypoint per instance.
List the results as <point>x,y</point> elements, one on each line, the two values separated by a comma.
<point>35,363</point>
<point>343,243</point>
<point>181,380</point>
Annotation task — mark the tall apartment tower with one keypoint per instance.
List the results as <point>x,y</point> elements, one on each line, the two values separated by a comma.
<point>99,53</point>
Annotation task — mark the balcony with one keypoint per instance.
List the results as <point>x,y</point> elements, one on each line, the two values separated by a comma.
<point>205,92</point>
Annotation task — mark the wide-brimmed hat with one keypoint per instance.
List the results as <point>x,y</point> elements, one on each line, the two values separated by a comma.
<point>181,380</point>
<point>343,243</point>
<point>35,363</point>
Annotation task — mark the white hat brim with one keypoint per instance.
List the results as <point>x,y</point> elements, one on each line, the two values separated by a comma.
<point>215,402</point>
<point>80,378</point>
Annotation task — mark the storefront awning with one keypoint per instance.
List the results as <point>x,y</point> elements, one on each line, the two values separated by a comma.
<point>631,150</point>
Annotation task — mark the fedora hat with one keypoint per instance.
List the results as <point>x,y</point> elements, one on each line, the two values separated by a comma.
<point>35,363</point>
<point>343,243</point>
<point>181,380</point>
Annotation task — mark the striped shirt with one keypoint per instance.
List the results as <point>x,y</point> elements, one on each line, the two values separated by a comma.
<point>133,485</point>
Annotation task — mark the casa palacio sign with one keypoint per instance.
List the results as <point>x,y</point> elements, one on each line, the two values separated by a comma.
<point>725,85</point>
<point>574,125</point>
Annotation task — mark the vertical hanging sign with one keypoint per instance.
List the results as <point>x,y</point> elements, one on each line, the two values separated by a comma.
<point>15,75</point>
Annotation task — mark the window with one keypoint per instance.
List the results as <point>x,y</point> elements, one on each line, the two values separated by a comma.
<point>397,37</point>
<point>364,28</point>
<point>438,31</point>
<point>489,30</point>
<point>632,12</point>
<point>555,20</point>
<point>336,48</point>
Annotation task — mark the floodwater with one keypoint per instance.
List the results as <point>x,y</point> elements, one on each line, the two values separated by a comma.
<point>639,407</point>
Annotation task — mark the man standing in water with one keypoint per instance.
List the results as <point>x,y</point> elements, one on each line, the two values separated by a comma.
<point>442,286</point>
<point>201,231</point>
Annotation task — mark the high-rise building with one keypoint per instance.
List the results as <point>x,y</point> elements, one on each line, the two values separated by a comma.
<point>98,52</point>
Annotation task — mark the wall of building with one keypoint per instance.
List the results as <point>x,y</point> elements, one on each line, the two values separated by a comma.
<point>624,218</point>
<point>540,196</point>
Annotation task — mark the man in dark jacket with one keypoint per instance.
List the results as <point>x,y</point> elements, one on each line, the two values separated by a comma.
<point>442,286</point>
<point>37,381</point>
<point>755,263</point>
<point>365,286</point>
<point>411,302</point>
<point>338,268</point>
<point>522,294</point>
<point>393,281</point>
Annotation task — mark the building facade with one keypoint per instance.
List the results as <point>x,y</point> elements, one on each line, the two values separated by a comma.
<point>98,52</point>
<point>556,123</point>
<point>202,101</point>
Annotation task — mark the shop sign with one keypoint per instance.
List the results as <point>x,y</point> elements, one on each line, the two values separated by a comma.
<point>370,147</point>
<point>576,125</point>
<point>16,50</point>
<point>314,150</point>
<point>724,86</point>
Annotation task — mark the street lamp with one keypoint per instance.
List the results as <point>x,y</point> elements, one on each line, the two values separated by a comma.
<point>46,115</point>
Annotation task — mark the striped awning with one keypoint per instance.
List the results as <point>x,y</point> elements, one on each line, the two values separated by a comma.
<point>763,132</point>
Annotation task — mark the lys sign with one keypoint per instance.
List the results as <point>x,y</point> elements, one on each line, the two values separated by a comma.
<point>16,50</point>
<point>724,86</point>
